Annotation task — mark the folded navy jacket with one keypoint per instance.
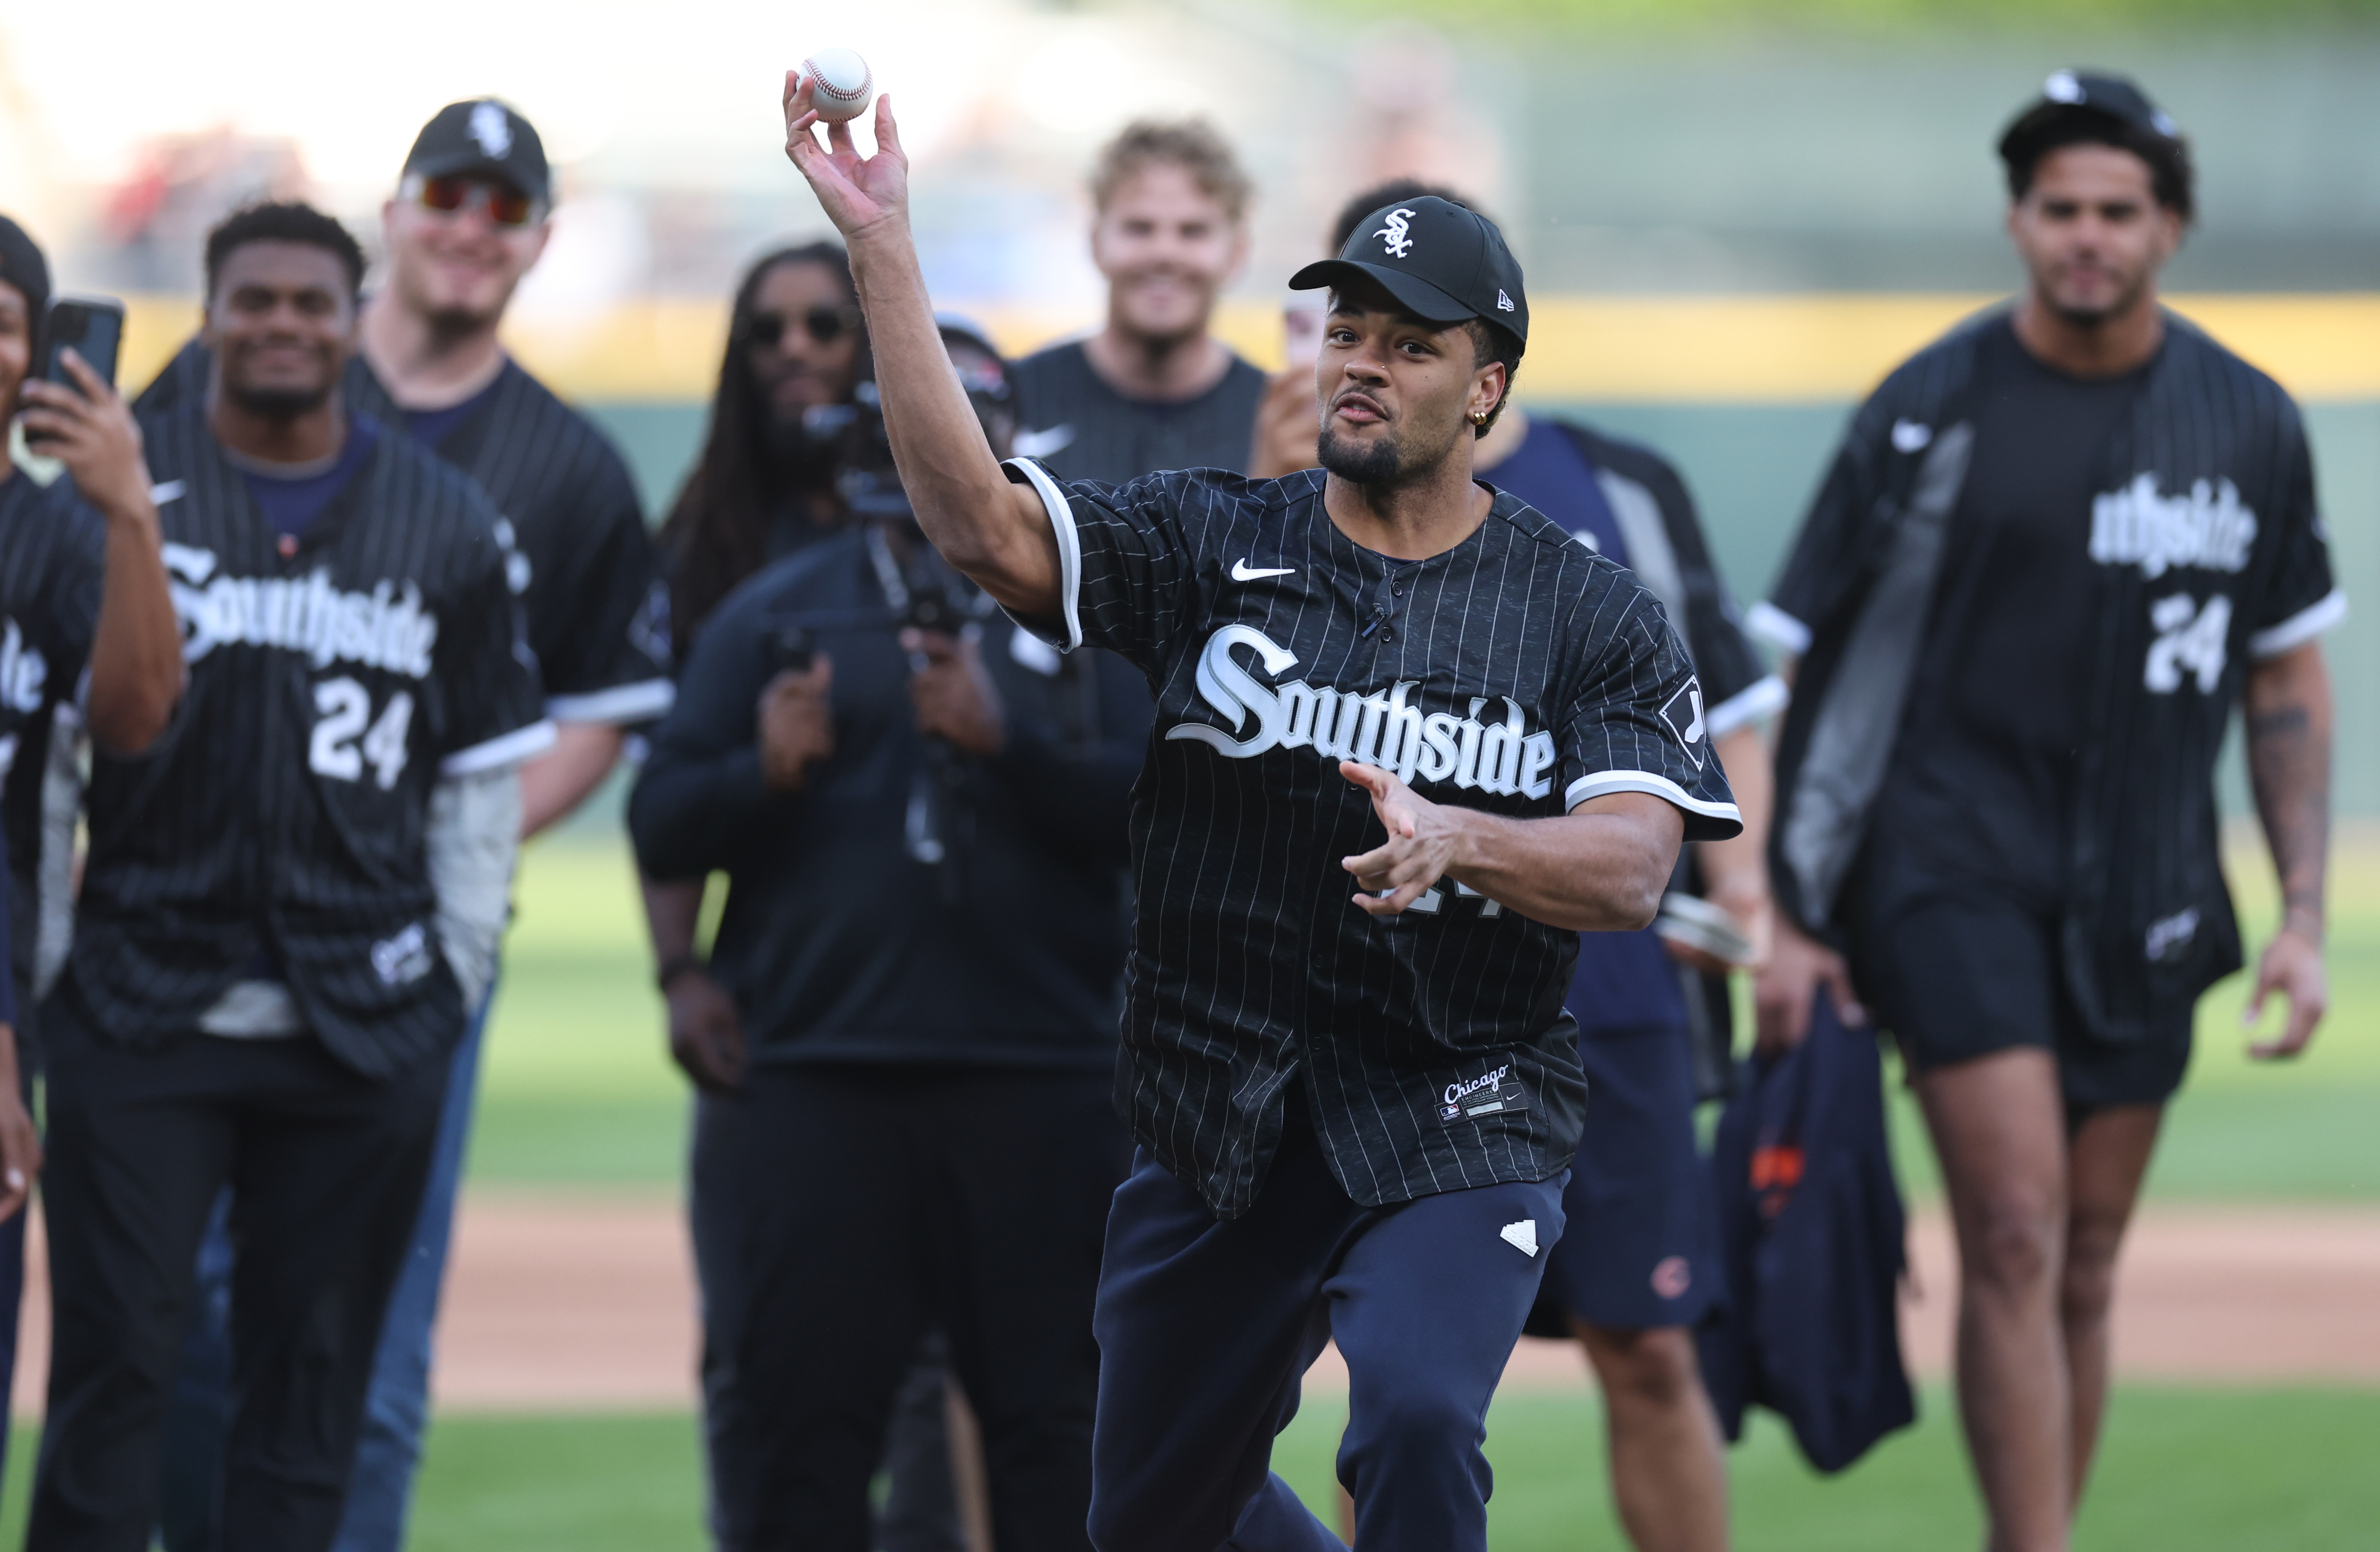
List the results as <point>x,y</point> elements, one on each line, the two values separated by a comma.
<point>1814,1234</point>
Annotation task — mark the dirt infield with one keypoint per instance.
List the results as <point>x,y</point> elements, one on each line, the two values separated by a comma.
<point>582,1302</point>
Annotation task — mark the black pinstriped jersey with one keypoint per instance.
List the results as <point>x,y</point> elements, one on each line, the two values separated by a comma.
<point>1081,428</point>
<point>581,559</point>
<point>2208,553</point>
<point>1518,672</point>
<point>53,558</point>
<point>281,818</point>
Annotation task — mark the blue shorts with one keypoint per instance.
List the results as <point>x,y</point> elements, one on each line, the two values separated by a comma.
<point>1641,1248</point>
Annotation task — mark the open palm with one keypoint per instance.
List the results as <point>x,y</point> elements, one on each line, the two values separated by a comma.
<point>856,191</point>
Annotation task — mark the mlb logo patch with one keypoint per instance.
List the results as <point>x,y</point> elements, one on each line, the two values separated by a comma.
<point>1682,713</point>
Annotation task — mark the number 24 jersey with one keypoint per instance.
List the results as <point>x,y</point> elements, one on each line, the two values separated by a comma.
<point>280,821</point>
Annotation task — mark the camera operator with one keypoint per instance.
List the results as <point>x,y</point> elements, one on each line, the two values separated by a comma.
<point>920,810</point>
<point>765,485</point>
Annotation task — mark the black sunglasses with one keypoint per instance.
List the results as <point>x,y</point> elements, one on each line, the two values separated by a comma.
<point>823,324</point>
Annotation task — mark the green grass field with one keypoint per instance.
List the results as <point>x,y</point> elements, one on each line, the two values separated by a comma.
<point>579,1095</point>
<point>2184,1471</point>
<point>579,1090</point>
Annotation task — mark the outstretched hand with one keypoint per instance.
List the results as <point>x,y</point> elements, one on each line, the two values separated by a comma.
<point>1417,852</point>
<point>857,192</point>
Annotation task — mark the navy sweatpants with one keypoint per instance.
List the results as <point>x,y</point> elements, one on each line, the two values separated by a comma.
<point>1205,1328</point>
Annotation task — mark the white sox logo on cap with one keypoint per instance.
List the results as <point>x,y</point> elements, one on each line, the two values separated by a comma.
<point>1393,236</point>
<point>492,129</point>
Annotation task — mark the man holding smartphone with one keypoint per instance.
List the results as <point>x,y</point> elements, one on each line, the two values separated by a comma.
<point>82,584</point>
<point>467,222</point>
<point>289,909</point>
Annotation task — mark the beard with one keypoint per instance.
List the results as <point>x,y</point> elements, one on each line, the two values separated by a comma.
<point>450,323</point>
<point>2092,315</point>
<point>1363,463</point>
<point>279,404</point>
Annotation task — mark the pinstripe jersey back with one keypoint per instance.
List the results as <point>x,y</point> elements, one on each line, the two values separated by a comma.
<point>280,820</point>
<point>1517,673</point>
<point>52,557</point>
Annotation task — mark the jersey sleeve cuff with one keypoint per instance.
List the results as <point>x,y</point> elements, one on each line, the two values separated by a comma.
<point>521,744</point>
<point>644,702</point>
<point>1747,706</point>
<point>1069,555</point>
<point>1705,821</point>
<point>1778,628</point>
<point>2299,628</point>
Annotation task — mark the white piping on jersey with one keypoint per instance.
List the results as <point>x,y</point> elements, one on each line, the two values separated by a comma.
<point>1070,550</point>
<point>1603,784</point>
<point>2299,627</point>
<point>1778,628</point>
<point>640,702</point>
<point>509,748</point>
<point>1379,728</point>
<point>1763,698</point>
<point>385,628</point>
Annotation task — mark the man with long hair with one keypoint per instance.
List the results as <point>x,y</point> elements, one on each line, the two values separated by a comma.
<point>764,486</point>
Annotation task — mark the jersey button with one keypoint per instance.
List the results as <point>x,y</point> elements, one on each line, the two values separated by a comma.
<point>1397,592</point>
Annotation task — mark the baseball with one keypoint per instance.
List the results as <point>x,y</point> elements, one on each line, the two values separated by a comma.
<point>844,85</point>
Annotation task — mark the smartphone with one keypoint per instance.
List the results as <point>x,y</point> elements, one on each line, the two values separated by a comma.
<point>93,326</point>
<point>1301,320</point>
<point>789,648</point>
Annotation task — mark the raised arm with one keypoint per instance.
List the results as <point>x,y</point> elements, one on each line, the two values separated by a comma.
<point>136,653</point>
<point>996,532</point>
<point>2288,716</point>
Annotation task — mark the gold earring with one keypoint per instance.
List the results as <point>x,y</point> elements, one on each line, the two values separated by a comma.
<point>1480,419</point>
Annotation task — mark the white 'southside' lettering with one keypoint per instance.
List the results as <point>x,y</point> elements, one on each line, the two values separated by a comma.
<point>386,628</point>
<point>1384,728</point>
<point>2208,528</point>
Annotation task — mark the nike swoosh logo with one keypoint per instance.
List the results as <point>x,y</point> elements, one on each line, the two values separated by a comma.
<point>1243,572</point>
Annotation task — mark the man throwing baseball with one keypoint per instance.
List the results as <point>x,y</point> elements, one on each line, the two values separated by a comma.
<point>1412,737</point>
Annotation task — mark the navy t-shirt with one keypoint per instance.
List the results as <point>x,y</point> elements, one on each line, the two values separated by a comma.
<point>291,504</point>
<point>1624,980</point>
<point>430,426</point>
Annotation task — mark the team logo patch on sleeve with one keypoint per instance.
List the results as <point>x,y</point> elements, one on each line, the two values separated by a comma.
<point>1683,714</point>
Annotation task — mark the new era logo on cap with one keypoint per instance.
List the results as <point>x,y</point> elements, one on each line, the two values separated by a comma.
<point>1503,302</point>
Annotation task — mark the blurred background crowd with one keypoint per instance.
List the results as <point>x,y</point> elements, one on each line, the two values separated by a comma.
<point>1736,214</point>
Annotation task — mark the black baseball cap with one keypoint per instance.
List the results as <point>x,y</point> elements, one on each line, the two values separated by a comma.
<point>2069,93</point>
<point>2087,104</point>
<point>1440,262</point>
<point>22,266</point>
<point>484,136</point>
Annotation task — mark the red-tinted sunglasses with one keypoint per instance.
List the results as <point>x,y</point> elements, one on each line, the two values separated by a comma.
<point>504,205</point>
